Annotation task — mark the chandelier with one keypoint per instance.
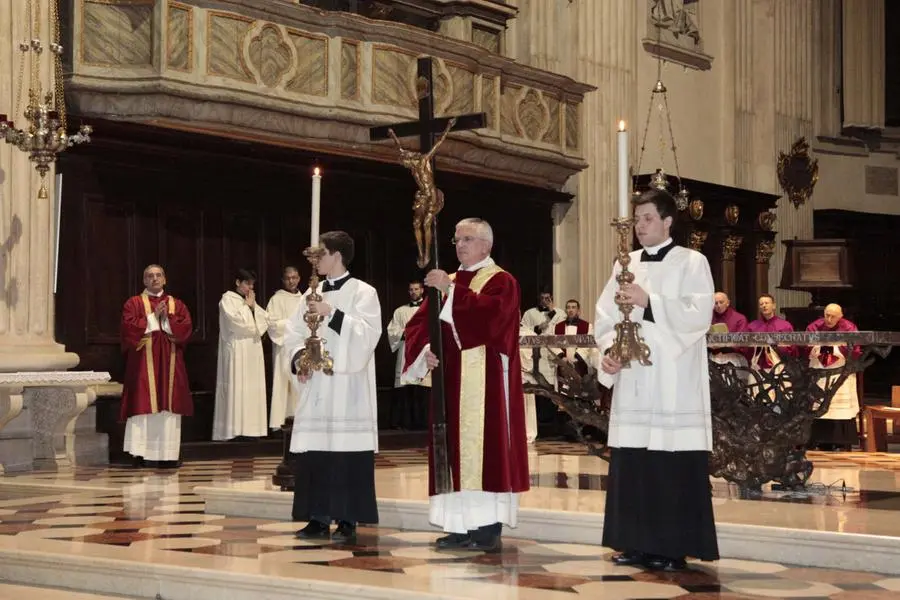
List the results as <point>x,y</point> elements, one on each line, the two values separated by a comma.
<point>660,101</point>
<point>45,137</point>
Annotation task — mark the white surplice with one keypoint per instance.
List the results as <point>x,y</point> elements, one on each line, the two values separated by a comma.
<point>665,406</point>
<point>537,318</point>
<point>339,412</point>
<point>240,370</point>
<point>280,309</point>
<point>845,402</point>
<point>467,510</point>
<point>395,330</point>
<point>525,357</point>
<point>154,436</point>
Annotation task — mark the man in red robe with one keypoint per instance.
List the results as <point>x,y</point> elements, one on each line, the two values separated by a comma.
<point>483,389</point>
<point>155,393</point>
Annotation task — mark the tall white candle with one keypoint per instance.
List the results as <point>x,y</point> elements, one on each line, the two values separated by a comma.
<point>314,212</point>
<point>624,188</point>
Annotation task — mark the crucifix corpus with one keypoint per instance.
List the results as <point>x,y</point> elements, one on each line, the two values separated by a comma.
<point>429,201</point>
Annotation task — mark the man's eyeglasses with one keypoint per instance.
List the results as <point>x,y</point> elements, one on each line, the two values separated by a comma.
<point>466,238</point>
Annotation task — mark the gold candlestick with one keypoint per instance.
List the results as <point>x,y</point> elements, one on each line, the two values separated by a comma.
<point>314,357</point>
<point>628,345</point>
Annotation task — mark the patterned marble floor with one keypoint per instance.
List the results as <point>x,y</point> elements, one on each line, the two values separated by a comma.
<point>154,517</point>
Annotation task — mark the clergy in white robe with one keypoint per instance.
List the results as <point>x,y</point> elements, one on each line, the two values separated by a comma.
<point>658,500</point>
<point>525,357</point>
<point>240,408</point>
<point>836,429</point>
<point>541,320</point>
<point>335,433</point>
<point>409,403</point>
<point>280,309</point>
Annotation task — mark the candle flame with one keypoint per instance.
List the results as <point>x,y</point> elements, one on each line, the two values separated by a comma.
<point>621,125</point>
<point>316,171</point>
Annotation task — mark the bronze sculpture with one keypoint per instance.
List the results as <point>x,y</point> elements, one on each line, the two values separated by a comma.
<point>429,200</point>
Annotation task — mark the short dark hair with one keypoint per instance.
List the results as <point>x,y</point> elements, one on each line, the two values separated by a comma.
<point>545,290</point>
<point>577,303</point>
<point>289,268</point>
<point>662,200</point>
<point>245,275</point>
<point>416,282</point>
<point>339,241</point>
<point>769,296</point>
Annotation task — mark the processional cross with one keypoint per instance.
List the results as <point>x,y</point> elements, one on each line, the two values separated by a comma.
<point>429,201</point>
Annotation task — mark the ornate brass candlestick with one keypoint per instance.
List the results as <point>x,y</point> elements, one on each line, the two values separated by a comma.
<point>314,357</point>
<point>628,345</point>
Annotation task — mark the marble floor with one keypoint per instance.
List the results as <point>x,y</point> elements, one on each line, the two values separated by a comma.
<point>151,520</point>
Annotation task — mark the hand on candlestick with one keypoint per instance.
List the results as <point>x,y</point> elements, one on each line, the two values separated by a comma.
<point>610,365</point>
<point>303,378</point>
<point>439,279</point>
<point>319,307</point>
<point>635,295</point>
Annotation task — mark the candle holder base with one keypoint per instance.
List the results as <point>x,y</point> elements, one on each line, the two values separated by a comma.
<point>628,344</point>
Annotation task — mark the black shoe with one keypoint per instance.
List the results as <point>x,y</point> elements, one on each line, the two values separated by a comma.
<point>345,532</point>
<point>484,543</point>
<point>453,541</point>
<point>628,558</point>
<point>314,530</point>
<point>662,563</point>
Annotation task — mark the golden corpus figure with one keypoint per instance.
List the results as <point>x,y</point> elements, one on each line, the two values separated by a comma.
<point>429,200</point>
<point>314,357</point>
<point>628,345</point>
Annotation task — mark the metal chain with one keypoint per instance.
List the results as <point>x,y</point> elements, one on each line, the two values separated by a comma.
<point>60,94</point>
<point>23,48</point>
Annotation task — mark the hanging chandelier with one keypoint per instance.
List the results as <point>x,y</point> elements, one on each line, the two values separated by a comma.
<point>45,137</point>
<point>660,101</point>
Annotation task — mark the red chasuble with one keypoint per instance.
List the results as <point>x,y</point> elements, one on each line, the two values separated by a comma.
<point>580,324</point>
<point>487,442</point>
<point>155,376</point>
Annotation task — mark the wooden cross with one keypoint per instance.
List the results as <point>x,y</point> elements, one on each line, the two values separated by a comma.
<point>427,127</point>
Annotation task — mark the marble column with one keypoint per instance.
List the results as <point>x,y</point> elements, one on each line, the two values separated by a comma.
<point>863,63</point>
<point>595,43</point>
<point>775,97</point>
<point>26,222</point>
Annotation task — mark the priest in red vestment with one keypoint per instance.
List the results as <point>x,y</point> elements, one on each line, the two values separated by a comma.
<point>155,393</point>
<point>483,388</point>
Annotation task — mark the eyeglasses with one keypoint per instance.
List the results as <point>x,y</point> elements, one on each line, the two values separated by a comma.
<point>466,238</point>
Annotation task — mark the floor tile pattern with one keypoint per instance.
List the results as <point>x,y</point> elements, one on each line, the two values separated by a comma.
<point>156,510</point>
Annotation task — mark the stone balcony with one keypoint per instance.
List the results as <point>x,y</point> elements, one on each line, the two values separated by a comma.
<point>282,73</point>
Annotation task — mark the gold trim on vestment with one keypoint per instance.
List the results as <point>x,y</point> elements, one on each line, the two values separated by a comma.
<point>146,344</point>
<point>472,384</point>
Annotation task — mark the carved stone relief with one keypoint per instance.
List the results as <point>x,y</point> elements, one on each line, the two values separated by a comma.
<point>673,32</point>
<point>269,55</point>
<point>180,38</point>
<point>125,33</point>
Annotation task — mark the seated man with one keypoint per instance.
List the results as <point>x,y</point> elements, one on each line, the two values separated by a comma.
<point>836,429</point>
<point>731,321</point>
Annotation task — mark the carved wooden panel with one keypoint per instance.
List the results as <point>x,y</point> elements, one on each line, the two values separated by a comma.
<point>203,206</point>
<point>109,249</point>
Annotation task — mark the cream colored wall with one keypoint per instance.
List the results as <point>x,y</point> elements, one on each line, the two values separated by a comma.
<point>842,180</point>
<point>772,81</point>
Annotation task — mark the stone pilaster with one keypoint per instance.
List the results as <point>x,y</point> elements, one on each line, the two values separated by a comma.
<point>595,43</point>
<point>862,37</point>
<point>775,100</point>
<point>26,222</point>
